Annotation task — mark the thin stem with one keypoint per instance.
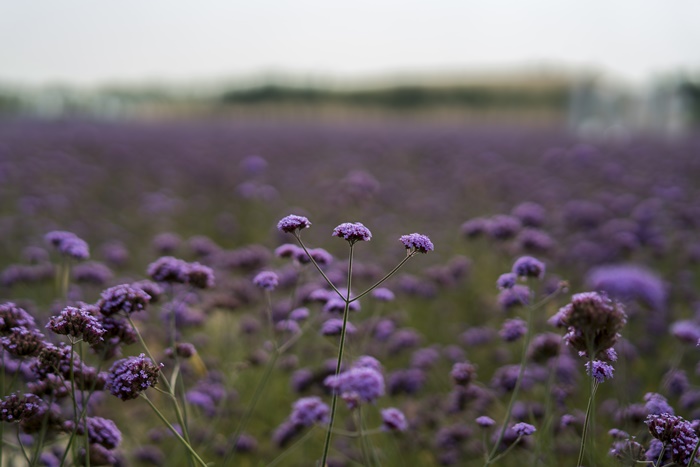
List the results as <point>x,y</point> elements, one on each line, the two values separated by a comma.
<point>510,448</point>
<point>363,440</point>
<point>661,456</point>
<point>516,390</point>
<point>387,276</point>
<point>589,409</point>
<point>313,261</point>
<point>694,453</point>
<point>334,401</point>
<point>291,448</point>
<point>24,451</point>
<point>172,428</point>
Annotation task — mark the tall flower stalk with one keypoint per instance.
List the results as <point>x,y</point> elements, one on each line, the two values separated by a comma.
<point>352,233</point>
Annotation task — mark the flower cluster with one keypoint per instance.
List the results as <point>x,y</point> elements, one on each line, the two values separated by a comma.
<point>79,323</point>
<point>124,298</point>
<point>352,232</point>
<point>527,266</point>
<point>677,434</point>
<point>130,376</point>
<point>68,244</point>
<point>359,383</point>
<point>417,242</point>
<point>292,223</point>
<point>177,271</point>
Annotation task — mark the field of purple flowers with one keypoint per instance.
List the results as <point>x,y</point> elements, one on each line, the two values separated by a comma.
<point>379,294</point>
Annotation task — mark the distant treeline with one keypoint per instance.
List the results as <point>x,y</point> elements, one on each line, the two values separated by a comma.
<point>413,97</point>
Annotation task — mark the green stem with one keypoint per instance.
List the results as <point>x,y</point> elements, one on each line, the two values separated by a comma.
<point>589,409</point>
<point>510,448</point>
<point>409,255</point>
<point>172,428</point>
<point>363,440</point>
<point>334,400</point>
<point>291,448</point>
<point>661,456</point>
<point>313,261</point>
<point>516,390</point>
<point>694,453</point>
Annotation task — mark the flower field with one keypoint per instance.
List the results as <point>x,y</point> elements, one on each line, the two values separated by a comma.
<point>382,294</point>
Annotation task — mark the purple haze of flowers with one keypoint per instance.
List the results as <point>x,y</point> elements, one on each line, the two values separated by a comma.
<point>367,361</point>
<point>527,266</point>
<point>266,280</point>
<point>12,316</point>
<point>367,384</point>
<point>352,232</point>
<point>299,314</point>
<point>130,376</point>
<point>485,422</point>
<point>657,404</point>
<point>417,242</point>
<point>506,281</point>
<point>200,276</point>
<point>383,294</point>
<point>104,432</point>
<point>393,420</point>
<point>518,295</point>
<point>513,329</point>
<point>309,410</point>
<point>601,371</point>
<point>523,429</point>
<point>686,331</point>
<point>292,223</point>
<point>168,269</point>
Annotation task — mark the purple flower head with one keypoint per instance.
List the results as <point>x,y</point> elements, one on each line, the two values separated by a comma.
<point>337,305</point>
<point>601,370</point>
<point>503,227</point>
<point>289,250</point>
<point>292,223</point>
<point>23,342</point>
<point>68,244</point>
<point>168,269</point>
<point>130,376</point>
<point>518,295</point>
<point>266,280</point>
<point>393,420</point>
<point>299,314</point>
<point>523,429</point>
<point>12,316</point>
<point>124,298</point>
<point>463,373</point>
<point>383,294</point>
<point>321,256</point>
<point>103,432</point>
<point>308,411</point>
<point>506,281</point>
<point>15,408</point>
<point>166,243</point>
<point>417,242</point>
<point>657,404</point>
<point>474,228</point>
<point>675,433</point>
<point>485,422</point>
<point>288,325</point>
<point>686,331</point>
<point>425,358</point>
<point>92,272</point>
<point>534,240</point>
<point>334,326</point>
<point>153,290</point>
<point>353,232</point>
<point>80,323</point>
<point>513,329</point>
<point>527,266</point>
<point>200,276</point>
<point>627,282</point>
<point>367,384</point>
<point>530,214</point>
<point>408,381</point>
<point>367,361</point>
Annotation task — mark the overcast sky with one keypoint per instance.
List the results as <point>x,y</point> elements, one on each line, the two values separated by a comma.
<point>92,42</point>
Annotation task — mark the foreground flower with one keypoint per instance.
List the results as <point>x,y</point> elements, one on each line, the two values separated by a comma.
<point>78,323</point>
<point>130,376</point>
<point>292,223</point>
<point>675,433</point>
<point>353,232</point>
<point>417,242</point>
<point>601,370</point>
<point>123,298</point>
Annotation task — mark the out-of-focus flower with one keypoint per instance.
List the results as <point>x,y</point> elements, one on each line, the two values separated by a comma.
<point>168,269</point>
<point>485,422</point>
<point>334,326</point>
<point>513,329</point>
<point>124,298</point>
<point>393,420</point>
<point>527,266</point>
<point>68,244</point>
<point>366,383</point>
<point>523,429</point>
<point>308,411</point>
<point>463,373</point>
<point>267,280</point>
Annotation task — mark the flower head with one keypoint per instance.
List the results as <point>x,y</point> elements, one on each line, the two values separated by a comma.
<point>78,323</point>
<point>523,429</point>
<point>601,370</point>
<point>485,422</point>
<point>527,266</point>
<point>676,433</point>
<point>130,376</point>
<point>169,269</point>
<point>366,383</point>
<point>292,223</point>
<point>506,281</point>
<point>68,244</point>
<point>266,280</point>
<point>417,242</point>
<point>123,297</point>
<point>309,410</point>
<point>393,420</point>
<point>353,232</point>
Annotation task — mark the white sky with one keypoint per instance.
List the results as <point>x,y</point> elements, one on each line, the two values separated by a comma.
<point>96,41</point>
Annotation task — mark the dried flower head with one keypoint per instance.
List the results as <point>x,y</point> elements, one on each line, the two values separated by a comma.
<point>417,242</point>
<point>352,232</point>
<point>292,223</point>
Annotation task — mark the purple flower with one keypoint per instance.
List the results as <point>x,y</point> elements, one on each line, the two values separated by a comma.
<point>417,242</point>
<point>130,376</point>
<point>123,298</point>
<point>677,434</point>
<point>393,420</point>
<point>308,411</point>
<point>657,404</point>
<point>12,316</point>
<point>527,266</point>
<point>367,361</point>
<point>506,281</point>
<point>513,329</point>
<point>292,223</point>
<point>104,432</point>
<point>299,314</point>
<point>530,214</point>
<point>409,381</point>
<point>353,232</point>
<point>321,256</point>
<point>288,325</point>
<point>601,370</point>
<point>289,250</point>
<point>79,323</point>
<point>68,244</point>
<point>266,280</point>
<point>200,276</point>
<point>503,227</point>
<point>474,228</point>
<point>15,408</point>
<point>337,305</point>
<point>629,282</point>
<point>686,331</point>
<point>523,429</point>
<point>23,342</point>
<point>166,243</point>
<point>383,294</point>
<point>518,295</point>
<point>485,422</point>
<point>365,383</point>
<point>425,358</point>
<point>168,269</point>
<point>463,373</point>
<point>334,326</point>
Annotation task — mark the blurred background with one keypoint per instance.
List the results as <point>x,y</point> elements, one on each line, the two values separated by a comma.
<point>599,68</point>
